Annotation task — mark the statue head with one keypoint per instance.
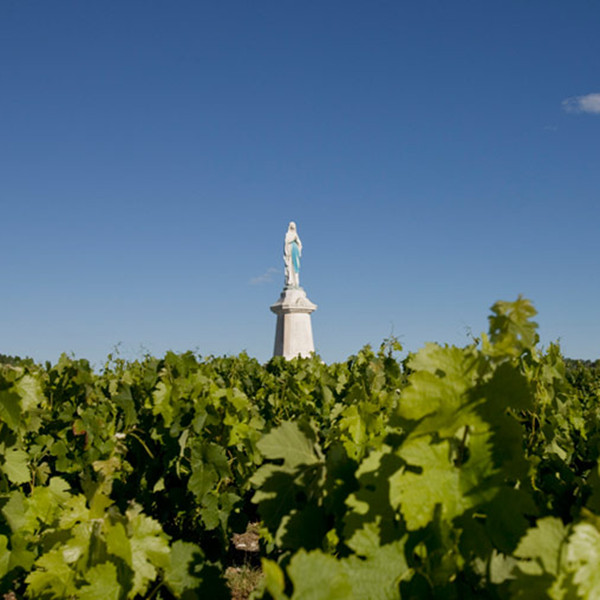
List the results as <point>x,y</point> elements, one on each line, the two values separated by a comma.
<point>292,226</point>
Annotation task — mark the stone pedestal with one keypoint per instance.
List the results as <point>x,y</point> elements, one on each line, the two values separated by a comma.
<point>293,336</point>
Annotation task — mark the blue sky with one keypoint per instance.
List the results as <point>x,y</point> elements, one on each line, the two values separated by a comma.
<point>436,156</point>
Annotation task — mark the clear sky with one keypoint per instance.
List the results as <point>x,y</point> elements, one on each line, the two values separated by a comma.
<point>437,156</point>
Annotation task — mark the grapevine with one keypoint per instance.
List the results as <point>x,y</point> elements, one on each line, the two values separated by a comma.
<point>458,472</point>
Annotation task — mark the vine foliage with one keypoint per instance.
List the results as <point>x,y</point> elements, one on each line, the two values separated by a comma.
<point>458,472</point>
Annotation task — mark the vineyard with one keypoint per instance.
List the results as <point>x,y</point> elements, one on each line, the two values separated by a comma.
<point>458,472</point>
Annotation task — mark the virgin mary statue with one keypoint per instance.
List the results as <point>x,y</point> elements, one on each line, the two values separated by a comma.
<point>292,251</point>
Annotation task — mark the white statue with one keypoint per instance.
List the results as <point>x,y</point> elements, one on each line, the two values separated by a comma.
<point>292,251</point>
<point>293,336</point>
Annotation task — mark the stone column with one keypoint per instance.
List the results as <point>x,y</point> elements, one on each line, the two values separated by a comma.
<point>293,336</point>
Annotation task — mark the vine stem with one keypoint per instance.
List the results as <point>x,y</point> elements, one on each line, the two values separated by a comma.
<point>156,588</point>
<point>461,448</point>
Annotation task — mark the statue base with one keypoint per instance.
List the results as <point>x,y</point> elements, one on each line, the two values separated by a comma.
<point>293,336</point>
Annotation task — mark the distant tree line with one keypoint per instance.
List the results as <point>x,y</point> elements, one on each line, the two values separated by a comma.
<point>576,368</point>
<point>6,359</point>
